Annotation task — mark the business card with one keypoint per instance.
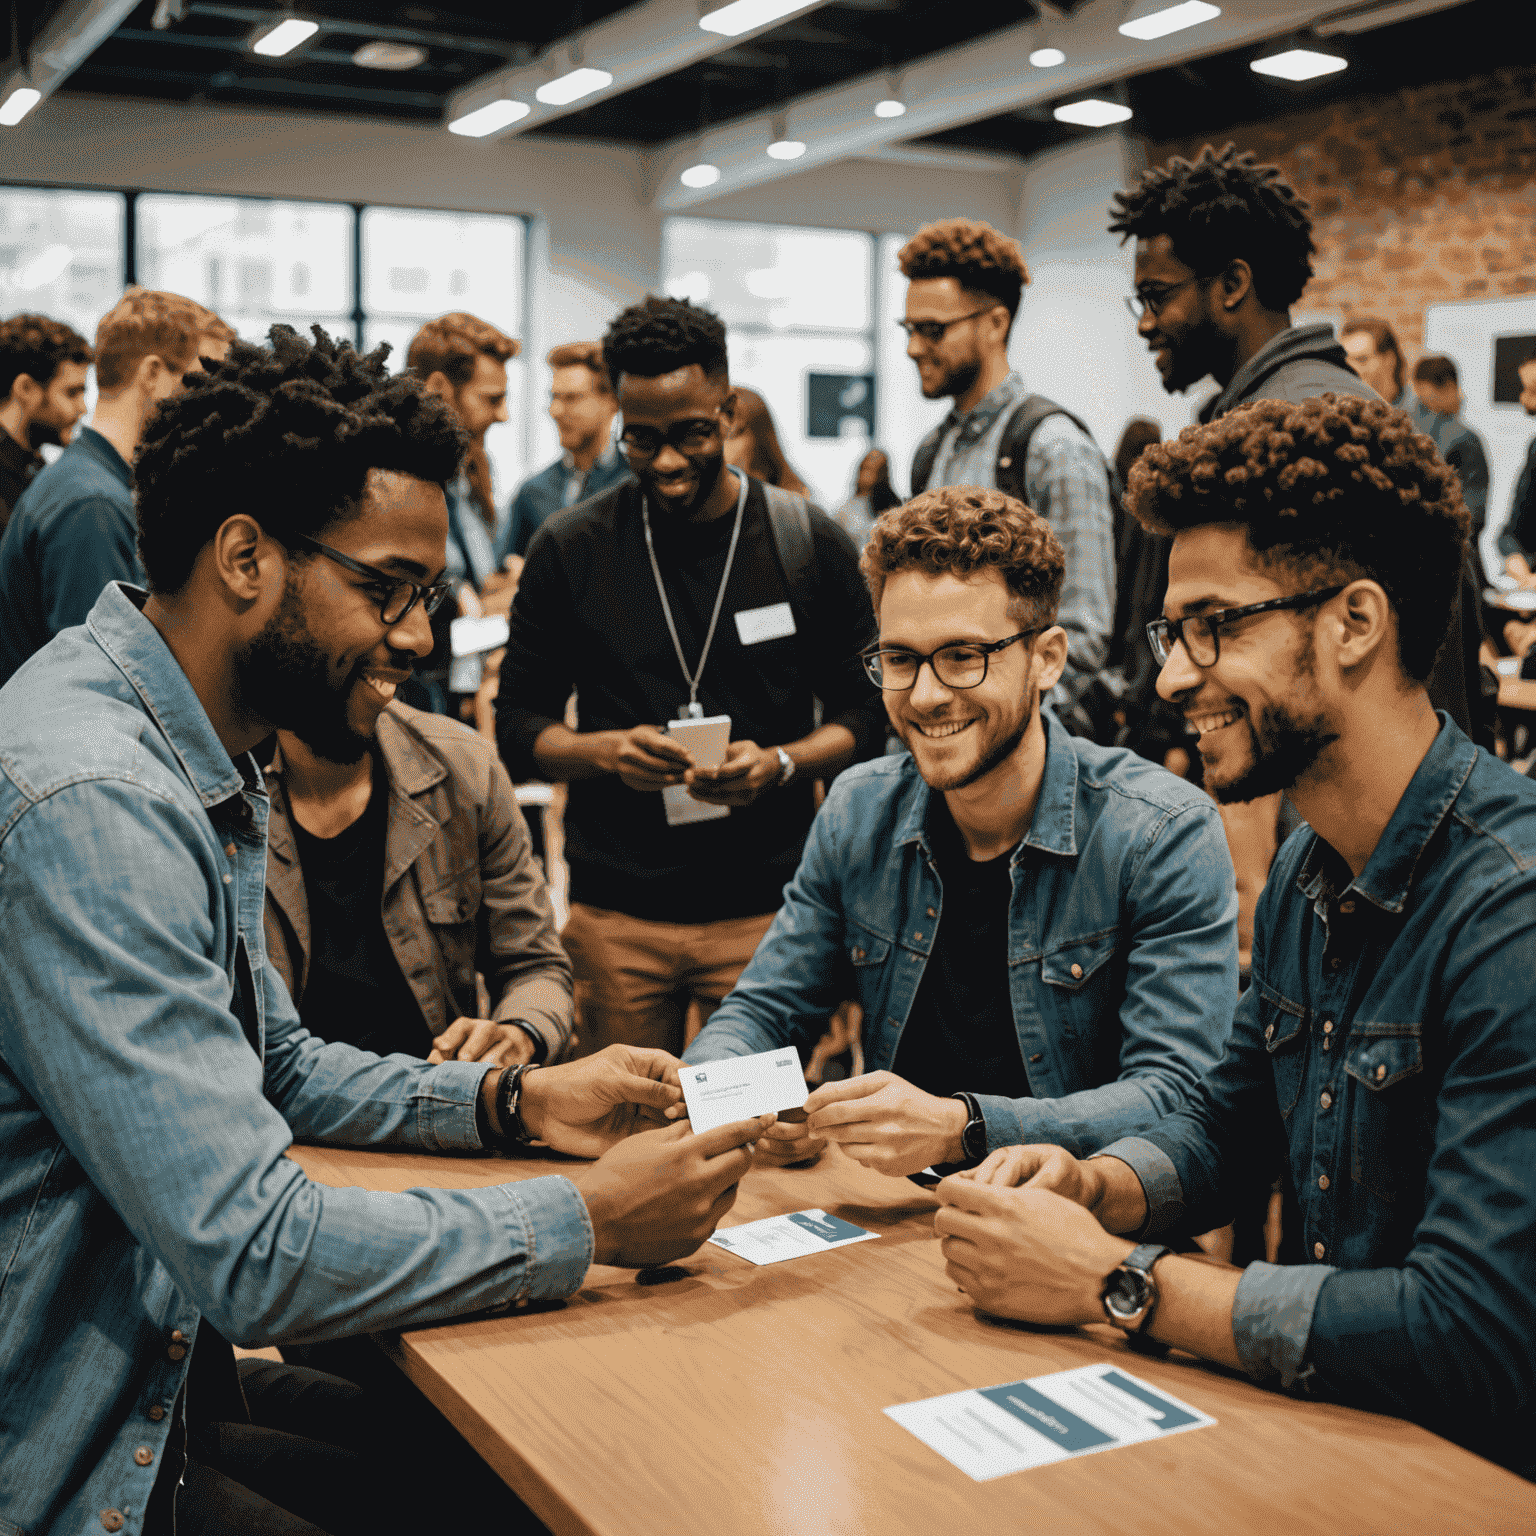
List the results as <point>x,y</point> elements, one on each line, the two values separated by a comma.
<point>776,1238</point>
<point>991,1432</point>
<point>738,1087</point>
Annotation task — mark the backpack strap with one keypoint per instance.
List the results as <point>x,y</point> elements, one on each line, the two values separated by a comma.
<point>789,520</point>
<point>924,459</point>
<point>1013,449</point>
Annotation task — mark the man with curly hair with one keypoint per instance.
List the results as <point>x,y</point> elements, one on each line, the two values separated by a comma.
<point>964,283</point>
<point>1381,1060</point>
<point>692,590</point>
<point>72,531</point>
<point>43,368</point>
<point>153,1071</point>
<point>1040,931</point>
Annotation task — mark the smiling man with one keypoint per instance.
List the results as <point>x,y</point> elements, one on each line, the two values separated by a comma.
<point>43,369</point>
<point>1041,931</point>
<point>1382,1057</point>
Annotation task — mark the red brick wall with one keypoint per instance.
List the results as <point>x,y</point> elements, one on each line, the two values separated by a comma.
<point>1420,197</point>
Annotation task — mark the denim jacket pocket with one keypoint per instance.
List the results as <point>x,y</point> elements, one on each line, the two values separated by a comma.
<point>865,948</point>
<point>1082,984</point>
<point>1386,1060</point>
<point>1285,1027</point>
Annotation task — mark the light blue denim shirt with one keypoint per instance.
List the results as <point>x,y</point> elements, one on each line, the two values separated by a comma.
<point>153,1074</point>
<point>1122,947</point>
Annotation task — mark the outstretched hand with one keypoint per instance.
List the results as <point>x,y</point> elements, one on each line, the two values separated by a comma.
<point>585,1107</point>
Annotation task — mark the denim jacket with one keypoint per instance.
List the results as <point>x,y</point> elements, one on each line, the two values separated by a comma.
<point>153,1074</point>
<point>1122,948</point>
<point>1386,1054</point>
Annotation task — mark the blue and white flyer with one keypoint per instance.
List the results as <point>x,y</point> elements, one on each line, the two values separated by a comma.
<point>776,1238</point>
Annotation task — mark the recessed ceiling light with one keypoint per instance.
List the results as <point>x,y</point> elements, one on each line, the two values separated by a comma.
<point>284,37</point>
<point>890,107</point>
<point>573,86</point>
<point>1047,58</point>
<point>743,15</point>
<point>484,120</point>
<point>786,149</point>
<point>18,104</point>
<point>1092,113</point>
<point>700,176</point>
<point>1299,64</point>
<point>1153,19</point>
<point>389,56</point>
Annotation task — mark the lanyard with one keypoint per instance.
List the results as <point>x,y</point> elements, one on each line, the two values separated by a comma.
<point>695,710</point>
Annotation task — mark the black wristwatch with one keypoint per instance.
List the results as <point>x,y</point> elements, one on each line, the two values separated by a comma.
<point>540,1044</point>
<point>1130,1291</point>
<point>973,1139</point>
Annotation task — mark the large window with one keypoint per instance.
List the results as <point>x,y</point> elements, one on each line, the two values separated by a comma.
<point>61,254</point>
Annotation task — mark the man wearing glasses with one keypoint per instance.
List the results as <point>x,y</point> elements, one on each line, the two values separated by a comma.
<point>964,284</point>
<point>1041,931</point>
<point>676,596</point>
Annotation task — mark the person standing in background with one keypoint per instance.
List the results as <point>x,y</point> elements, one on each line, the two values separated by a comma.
<point>43,367</point>
<point>872,495</point>
<point>463,361</point>
<point>964,283</point>
<point>74,530</point>
<point>1518,540</point>
<point>752,444</point>
<point>1438,388</point>
<point>582,406</point>
<point>1376,355</point>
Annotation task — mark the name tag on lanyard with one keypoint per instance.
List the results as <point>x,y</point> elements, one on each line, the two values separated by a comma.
<point>775,622</point>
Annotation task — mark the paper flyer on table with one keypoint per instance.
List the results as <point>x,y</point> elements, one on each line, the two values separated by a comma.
<point>777,1238</point>
<point>738,1087</point>
<point>993,1431</point>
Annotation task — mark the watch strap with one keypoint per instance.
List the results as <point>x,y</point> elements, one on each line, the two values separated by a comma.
<point>540,1044</point>
<point>973,1139</point>
<point>1138,1261</point>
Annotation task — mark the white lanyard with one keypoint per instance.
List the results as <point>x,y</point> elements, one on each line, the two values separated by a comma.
<point>695,710</point>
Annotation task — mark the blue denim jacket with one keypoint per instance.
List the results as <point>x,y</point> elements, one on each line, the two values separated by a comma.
<point>1122,950</point>
<point>1386,1055</point>
<point>153,1074</point>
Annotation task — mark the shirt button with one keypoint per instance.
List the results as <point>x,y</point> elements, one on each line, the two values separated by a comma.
<point>112,1519</point>
<point>177,1352</point>
<point>932,913</point>
<point>1077,973</point>
<point>177,1336</point>
<point>1322,1181</point>
<point>143,1455</point>
<point>858,954</point>
<point>1326,1044</point>
<point>1327,1026</point>
<point>228,879</point>
<point>1381,1072</point>
<point>916,937</point>
<point>1269,1031</point>
<point>230,849</point>
<point>1038,1056</point>
<point>1333,964</point>
<point>1326,1101</point>
<point>1318,1250</point>
<point>156,1413</point>
<point>1346,906</point>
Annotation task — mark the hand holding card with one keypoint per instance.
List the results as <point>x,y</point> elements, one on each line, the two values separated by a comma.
<point>718,1092</point>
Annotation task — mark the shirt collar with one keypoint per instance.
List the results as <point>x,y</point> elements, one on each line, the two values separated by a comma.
<point>90,441</point>
<point>119,627</point>
<point>974,424</point>
<point>1389,873</point>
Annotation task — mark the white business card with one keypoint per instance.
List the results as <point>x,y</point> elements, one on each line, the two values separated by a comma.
<point>775,622</point>
<point>776,1238</point>
<point>738,1087</point>
<point>993,1431</point>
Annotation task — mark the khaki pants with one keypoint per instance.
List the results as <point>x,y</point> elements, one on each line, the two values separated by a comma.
<point>636,979</point>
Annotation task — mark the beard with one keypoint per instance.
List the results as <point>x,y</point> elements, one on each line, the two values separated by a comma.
<point>283,676</point>
<point>707,471</point>
<point>44,434</point>
<point>956,381</point>
<point>1285,745</point>
<point>998,750</point>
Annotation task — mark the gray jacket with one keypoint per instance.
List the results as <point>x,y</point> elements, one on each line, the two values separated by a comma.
<point>1298,364</point>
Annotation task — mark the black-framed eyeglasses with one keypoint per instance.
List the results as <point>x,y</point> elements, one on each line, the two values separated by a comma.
<point>955,666</point>
<point>1200,632</point>
<point>932,331</point>
<point>685,436</point>
<point>1151,301</point>
<point>396,595</point>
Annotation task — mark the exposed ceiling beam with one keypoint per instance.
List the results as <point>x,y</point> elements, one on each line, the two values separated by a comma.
<point>63,43</point>
<point>340,25</point>
<point>977,80</point>
<point>635,45</point>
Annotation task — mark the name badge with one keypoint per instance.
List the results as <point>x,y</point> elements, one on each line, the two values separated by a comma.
<point>774,622</point>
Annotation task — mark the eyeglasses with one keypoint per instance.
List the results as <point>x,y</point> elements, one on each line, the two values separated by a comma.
<point>396,595</point>
<point>1145,301</point>
<point>932,331</point>
<point>1199,632</point>
<point>685,436</point>
<point>955,666</point>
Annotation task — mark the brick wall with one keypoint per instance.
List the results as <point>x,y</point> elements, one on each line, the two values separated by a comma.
<point>1423,196</point>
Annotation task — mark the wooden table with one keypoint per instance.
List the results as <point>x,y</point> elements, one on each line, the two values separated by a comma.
<point>732,1400</point>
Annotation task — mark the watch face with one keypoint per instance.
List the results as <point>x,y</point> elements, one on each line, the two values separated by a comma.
<point>1128,1293</point>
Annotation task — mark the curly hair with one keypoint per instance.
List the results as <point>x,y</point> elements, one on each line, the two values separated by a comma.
<point>960,529</point>
<point>35,345</point>
<point>1328,489</point>
<point>285,434</point>
<point>1221,206</point>
<point>977,256</point>
<point>148,323</point>
<point>583,354</point>
<point>659,335</point>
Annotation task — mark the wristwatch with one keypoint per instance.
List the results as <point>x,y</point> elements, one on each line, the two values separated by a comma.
<point>1130,1291</point>
<point>787,766</point>
<point>973,1139</point>
<point>540,1044</point>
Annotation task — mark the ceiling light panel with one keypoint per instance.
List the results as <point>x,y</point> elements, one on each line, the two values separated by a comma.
<point>700,176</point>
<point>284,37</point>
<point>488,119</point>
<point>383,55</point>
<point>18,104</point>
<point>890,107</point>
<point>1092,113</point>
<point>745,15</point>
<point>1299,64</point>
<point>786,149</point>
<point>573,86</point>
<point>1152,20</point>
<point>1047,58</point>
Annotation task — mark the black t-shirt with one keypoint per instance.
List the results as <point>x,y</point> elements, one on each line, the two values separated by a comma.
<point>960,1036</point>
<point>354,991</point>
<point>587,617</point>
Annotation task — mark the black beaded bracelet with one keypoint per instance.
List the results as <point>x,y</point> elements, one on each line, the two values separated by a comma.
<point>508,1095</point>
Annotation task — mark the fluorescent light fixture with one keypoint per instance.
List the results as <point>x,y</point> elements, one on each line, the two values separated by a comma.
<point>743,15</point>
<point>700,176</point>
<point>1160,21</point>
<point>786,149</point>
<point>1299,64</point>
<point>890,107</point>
<point>46,267</point>
<point>1092,113</point>
<point>484,120</point>
<point>572,87</point>
<point>285,37</point>
<point>1047,58</point>
<point>18,104</point>
<point>389,56</point>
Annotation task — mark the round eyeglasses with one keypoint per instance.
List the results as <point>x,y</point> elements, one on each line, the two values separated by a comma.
<point>396,596</point>
<point>956,666</point>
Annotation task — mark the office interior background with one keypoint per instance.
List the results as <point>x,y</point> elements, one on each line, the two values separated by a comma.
<point>767,160</point>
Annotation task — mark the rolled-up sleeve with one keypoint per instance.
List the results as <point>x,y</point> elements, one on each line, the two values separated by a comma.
<point>1272,1317</point>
